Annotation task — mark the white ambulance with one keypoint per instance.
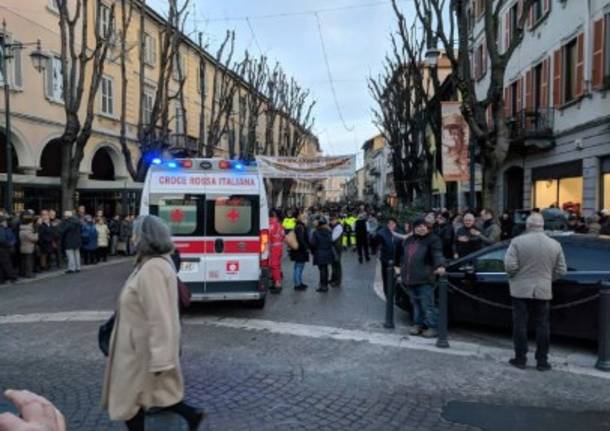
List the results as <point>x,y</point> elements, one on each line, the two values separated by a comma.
<point>219,219</point>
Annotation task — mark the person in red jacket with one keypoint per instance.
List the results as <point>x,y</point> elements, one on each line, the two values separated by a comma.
<point>276,239</point>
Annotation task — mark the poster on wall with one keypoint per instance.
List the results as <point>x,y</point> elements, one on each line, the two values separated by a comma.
<point>456,136</point>
<point>307,168</point>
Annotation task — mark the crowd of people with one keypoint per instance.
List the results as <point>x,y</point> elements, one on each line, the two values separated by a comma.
<point>33,243</point>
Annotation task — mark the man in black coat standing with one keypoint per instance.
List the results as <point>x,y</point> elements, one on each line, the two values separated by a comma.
<point>362,240</point>
<point>421,261</point>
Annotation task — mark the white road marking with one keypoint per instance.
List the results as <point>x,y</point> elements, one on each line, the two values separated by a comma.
<point>567,363</point>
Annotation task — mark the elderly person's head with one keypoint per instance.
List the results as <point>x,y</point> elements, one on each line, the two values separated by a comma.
<point>535,222</point>
<point>152,236</point>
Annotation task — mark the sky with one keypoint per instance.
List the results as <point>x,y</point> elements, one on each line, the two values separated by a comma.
<point>356,36</point>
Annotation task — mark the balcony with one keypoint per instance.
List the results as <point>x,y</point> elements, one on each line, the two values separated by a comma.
<point>532,131</point>
<point>374,172</point>
<point>183,143</point>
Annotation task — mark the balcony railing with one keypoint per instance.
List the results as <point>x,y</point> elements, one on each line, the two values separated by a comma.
<point>183,142</point>
<point>533,124</point>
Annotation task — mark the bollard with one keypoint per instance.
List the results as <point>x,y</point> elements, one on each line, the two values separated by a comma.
<point>442,340</point>
<point>389,300</point>
<point>603,330</point>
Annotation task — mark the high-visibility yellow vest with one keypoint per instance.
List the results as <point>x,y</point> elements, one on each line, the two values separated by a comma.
<point>289,223</point>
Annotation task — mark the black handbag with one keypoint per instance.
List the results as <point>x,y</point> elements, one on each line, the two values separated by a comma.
<point>104,334</point>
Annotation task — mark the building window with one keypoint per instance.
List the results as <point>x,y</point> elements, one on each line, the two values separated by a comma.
<point>103,19</point>
<point>480,60</point>
<point>54,85</point>
<point>53,5</point>
<point>107,89</point>
<point>13,66</point>
<point>150,50</point>
<point>570,56</point>
<point>607,49</point>
<point>179,120</point>
<point>147,104</point>
<point>564,193</point>
<point>179,66</point>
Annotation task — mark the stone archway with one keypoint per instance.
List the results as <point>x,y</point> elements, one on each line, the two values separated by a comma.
<point>50,160</point>
<point>102,166</point>
<point>97,161</point>
<point>22,158</point>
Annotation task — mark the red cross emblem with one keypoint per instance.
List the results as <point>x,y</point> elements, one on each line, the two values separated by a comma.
<point>233,215</point>
<point>177,215</point>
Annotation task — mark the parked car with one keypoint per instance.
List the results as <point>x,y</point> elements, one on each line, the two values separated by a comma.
<point>479,293</point>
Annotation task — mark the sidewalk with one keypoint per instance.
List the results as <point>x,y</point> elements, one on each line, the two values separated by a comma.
<point>498,348</point>
<point>57,273</point>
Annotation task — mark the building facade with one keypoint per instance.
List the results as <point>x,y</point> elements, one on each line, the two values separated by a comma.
<point>557,95</point>
<point>38,116</point>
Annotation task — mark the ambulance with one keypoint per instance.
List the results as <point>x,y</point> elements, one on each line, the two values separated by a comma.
<point>219,220</point>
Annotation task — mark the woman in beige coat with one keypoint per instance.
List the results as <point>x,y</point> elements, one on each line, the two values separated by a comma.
<point>143,369</point>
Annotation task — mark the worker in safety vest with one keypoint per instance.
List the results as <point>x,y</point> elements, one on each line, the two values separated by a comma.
<point>289,222</point>
<point>351,222</point>
<point>276,240</point>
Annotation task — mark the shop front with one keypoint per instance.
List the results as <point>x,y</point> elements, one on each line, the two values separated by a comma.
<point>559,186</point>
<point>605,183</point>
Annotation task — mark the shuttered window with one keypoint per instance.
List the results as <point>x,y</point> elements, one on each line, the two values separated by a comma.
<point>601,55</point>
<point>107,95</point>
<point>529,91</point>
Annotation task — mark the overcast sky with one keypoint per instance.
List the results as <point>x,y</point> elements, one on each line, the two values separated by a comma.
<point>356,40</point>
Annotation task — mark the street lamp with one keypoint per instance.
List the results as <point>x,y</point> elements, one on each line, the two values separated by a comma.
<point>431,57</point>
<point>6,54</point>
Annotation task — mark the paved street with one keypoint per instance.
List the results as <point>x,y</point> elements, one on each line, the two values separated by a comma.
<point>305,362</point>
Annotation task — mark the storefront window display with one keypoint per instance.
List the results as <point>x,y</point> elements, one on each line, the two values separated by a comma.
<point>565,193</point>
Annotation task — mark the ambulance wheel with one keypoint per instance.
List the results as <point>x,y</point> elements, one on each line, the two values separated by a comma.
<point>259,304</point>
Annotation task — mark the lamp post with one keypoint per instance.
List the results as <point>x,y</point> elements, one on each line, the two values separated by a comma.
<point>6,54</point>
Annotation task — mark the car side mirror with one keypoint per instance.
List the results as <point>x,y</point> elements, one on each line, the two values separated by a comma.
<point>467,269</point>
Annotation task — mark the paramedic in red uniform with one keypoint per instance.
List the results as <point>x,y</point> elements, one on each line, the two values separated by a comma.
<point>276,238</point>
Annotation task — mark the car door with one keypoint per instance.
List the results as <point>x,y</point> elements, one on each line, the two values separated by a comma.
<point>479,288</point>
<point>575,308</point>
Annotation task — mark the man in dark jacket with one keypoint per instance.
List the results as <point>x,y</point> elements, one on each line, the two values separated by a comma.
<point>7,244</point>
<point>323,255</point>
<point>388,246</point>
<point>336,237</point>
<point>421,260</point>
<point>71,241</point>
<point>362,240</point>
<point>300,256</point>
<point>468,237</point>
<point>445,232</point>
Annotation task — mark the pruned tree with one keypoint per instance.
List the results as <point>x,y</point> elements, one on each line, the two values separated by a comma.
<point>275,85</point>
<point>154,126</point>
<point>406,110</point>
<point>491,137</point>
<point>82,65</point>
<point>255,73</point>
<point>224,89</point>
<point>125,47</point>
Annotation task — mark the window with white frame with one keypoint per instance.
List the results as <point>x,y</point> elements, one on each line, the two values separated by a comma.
<point>147,104</point>
<point>53,5</point>
<point>107,95</point>
<point>104,19</point>
<point>13,65</point>
<point>54,82</point>
<point>179,120</point>
<point>150,50</point>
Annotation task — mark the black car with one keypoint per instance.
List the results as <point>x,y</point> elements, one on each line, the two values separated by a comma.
<point>479,292</point>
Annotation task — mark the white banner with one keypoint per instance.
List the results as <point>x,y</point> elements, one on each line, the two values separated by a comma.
<point>307,168</point>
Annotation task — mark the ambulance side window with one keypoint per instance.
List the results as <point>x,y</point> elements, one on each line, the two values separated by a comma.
<point>233,216</point>
<point>180,212</point>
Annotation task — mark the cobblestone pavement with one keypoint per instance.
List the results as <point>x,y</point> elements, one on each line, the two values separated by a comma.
<point>257,380</point>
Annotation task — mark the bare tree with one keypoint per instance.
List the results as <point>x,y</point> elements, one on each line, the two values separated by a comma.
<point>491,138</point>
<point>154,127</point>
<point>127,7</point>
<point>224,89</point>
<point>256,76</point>
<point>77,55</point>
